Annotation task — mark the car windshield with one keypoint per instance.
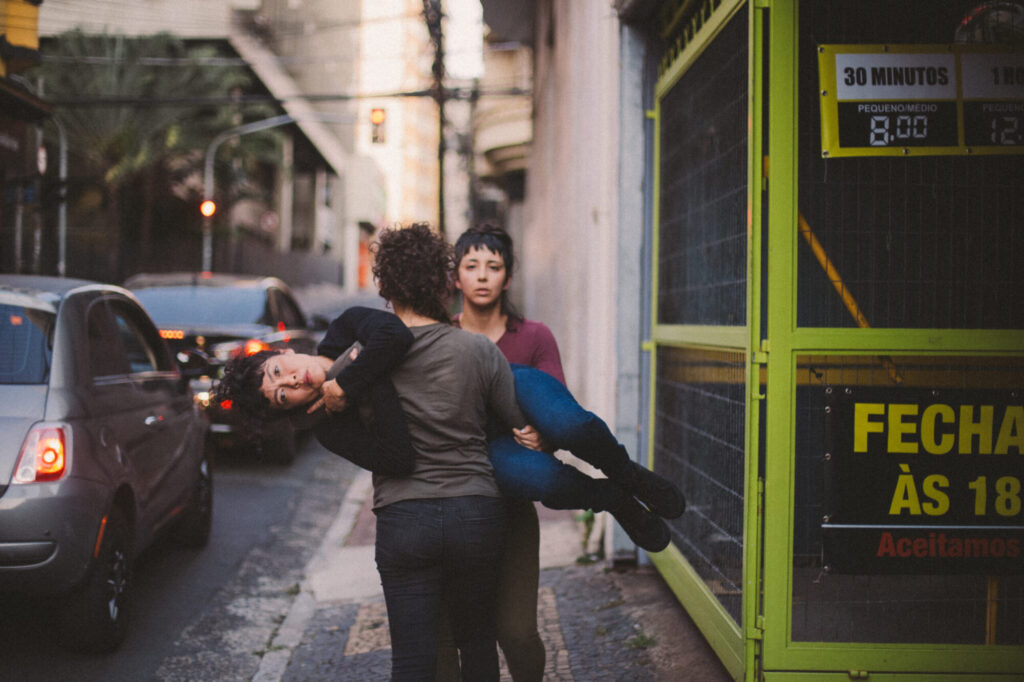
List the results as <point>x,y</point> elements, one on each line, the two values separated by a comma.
<point>25,352</point>
<point>179,305</point>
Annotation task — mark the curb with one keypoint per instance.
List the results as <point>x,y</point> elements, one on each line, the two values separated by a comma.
<point>289,634</point>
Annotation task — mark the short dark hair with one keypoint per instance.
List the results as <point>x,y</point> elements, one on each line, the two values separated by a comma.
<point>241,383</point>
<point>489,235</point>
<point>413,267</point>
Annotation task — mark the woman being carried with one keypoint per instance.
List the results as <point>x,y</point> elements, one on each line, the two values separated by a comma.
<point>270,382</point>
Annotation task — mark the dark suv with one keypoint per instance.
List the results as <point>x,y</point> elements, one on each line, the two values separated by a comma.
<point>225,316</point>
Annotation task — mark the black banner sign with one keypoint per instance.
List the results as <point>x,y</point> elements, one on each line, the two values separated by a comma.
<point>921,481</point>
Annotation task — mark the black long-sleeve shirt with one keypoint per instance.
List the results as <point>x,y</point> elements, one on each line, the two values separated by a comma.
<point>372,432</point>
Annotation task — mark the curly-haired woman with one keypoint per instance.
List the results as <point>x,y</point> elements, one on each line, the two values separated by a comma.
<point>440,529</point>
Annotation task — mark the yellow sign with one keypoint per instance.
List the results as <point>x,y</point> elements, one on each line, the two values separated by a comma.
<point>912,100</point>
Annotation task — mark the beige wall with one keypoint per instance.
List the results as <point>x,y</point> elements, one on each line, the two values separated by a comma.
<point>568,247</point>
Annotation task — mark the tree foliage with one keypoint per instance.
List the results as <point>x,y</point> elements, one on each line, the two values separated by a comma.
<point>106,88</point>
<point>121,139</point>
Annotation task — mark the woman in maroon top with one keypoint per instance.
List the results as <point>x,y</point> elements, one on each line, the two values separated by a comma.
<point>524,466</point>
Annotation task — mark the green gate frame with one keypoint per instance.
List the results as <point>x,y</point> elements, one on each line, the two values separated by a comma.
<point>762,647</point>
<point>732,643</point>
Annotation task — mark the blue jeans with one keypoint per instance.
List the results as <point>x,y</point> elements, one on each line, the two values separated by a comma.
<point>432,550</point>
<point>554,412</point>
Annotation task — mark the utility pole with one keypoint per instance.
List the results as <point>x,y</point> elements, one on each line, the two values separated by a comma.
<point>432,14</point>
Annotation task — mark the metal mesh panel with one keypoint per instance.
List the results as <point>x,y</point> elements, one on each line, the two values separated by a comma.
<point>948,609</point>
<point>702,231</point>
<point>699,440</point>
<point>919,242</point>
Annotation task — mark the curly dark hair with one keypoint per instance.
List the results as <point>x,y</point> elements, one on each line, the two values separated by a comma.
<point>489,235</point>
<point>240,383</point>
<point>413,267</point>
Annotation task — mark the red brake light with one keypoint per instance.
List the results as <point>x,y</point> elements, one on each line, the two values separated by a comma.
<point>226,405</point>
<point>43,456</point>
<point>281,327</point>
<point>253,346</point>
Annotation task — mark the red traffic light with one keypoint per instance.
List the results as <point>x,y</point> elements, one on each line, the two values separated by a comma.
<point>377,125</point>
<point>208,208</point>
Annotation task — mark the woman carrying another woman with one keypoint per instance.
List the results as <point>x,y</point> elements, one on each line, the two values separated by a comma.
<point>440,527</point>
<point>266,382</point>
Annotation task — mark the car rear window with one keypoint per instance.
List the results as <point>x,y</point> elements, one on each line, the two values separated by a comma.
<point>25,352</point>
<point>203,305</point>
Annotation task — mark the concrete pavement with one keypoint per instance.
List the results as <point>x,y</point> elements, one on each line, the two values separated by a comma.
<point>597,623</point>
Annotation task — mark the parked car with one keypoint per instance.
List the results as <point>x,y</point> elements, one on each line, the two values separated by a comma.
<point>225,316</point>
<point>102,448</point>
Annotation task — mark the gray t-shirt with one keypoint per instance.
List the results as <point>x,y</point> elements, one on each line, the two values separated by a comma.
<point>448,381</point>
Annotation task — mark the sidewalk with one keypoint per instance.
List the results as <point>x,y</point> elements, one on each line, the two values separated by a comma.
<point>596,623</point>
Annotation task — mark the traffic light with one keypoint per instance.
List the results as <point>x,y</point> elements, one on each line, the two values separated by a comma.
<point>208,208</point>
<point>378,118</point>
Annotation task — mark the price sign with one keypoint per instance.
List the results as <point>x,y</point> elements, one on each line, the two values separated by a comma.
<point>898,100</point>
<point>993,99</point>
<point>918,481</point>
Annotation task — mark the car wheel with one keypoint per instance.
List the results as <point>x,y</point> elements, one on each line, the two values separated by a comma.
<point>280,447</point>
<point>95,617</point>
<point>192,529</point>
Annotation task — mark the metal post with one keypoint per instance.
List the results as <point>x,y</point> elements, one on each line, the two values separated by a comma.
<point>62,206</point>
<point>207,244</point>
<point>19,210</point>
<point>433,15</point>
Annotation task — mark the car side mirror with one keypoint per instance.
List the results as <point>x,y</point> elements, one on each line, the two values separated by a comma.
<point>193,363</point>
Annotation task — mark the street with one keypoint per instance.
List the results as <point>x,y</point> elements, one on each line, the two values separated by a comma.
<point>202,614</point>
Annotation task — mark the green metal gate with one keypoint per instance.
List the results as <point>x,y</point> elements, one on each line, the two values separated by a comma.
<point>838,336</point>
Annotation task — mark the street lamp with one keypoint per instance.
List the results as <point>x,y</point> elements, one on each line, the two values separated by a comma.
<point>211,150</point>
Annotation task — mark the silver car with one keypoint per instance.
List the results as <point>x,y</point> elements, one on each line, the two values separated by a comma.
<point>101,449</point>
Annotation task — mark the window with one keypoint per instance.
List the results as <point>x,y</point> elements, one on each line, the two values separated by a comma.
<point>287,310</point>
<point>25,351</point>
<point>140,356</point>
<point>119,343</point>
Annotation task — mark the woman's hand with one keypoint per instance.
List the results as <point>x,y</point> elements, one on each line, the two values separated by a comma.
<point>332,398</point>
<point>530,438</point>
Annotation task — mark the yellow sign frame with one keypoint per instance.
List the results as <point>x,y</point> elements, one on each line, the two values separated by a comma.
<point>830,96</point>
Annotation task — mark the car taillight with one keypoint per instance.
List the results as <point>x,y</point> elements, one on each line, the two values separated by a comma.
<point>173,334</point>
<point>226,405</point>
<point>43,456</point>
<point>253,346</point>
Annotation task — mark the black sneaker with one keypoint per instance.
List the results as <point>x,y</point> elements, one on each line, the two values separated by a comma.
<point>643,528</point>
<point>660,495</point>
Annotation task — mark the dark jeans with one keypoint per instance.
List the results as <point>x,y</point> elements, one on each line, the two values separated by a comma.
<point>433,550</point>
<point>534,475</point>
<point>517,602</point>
